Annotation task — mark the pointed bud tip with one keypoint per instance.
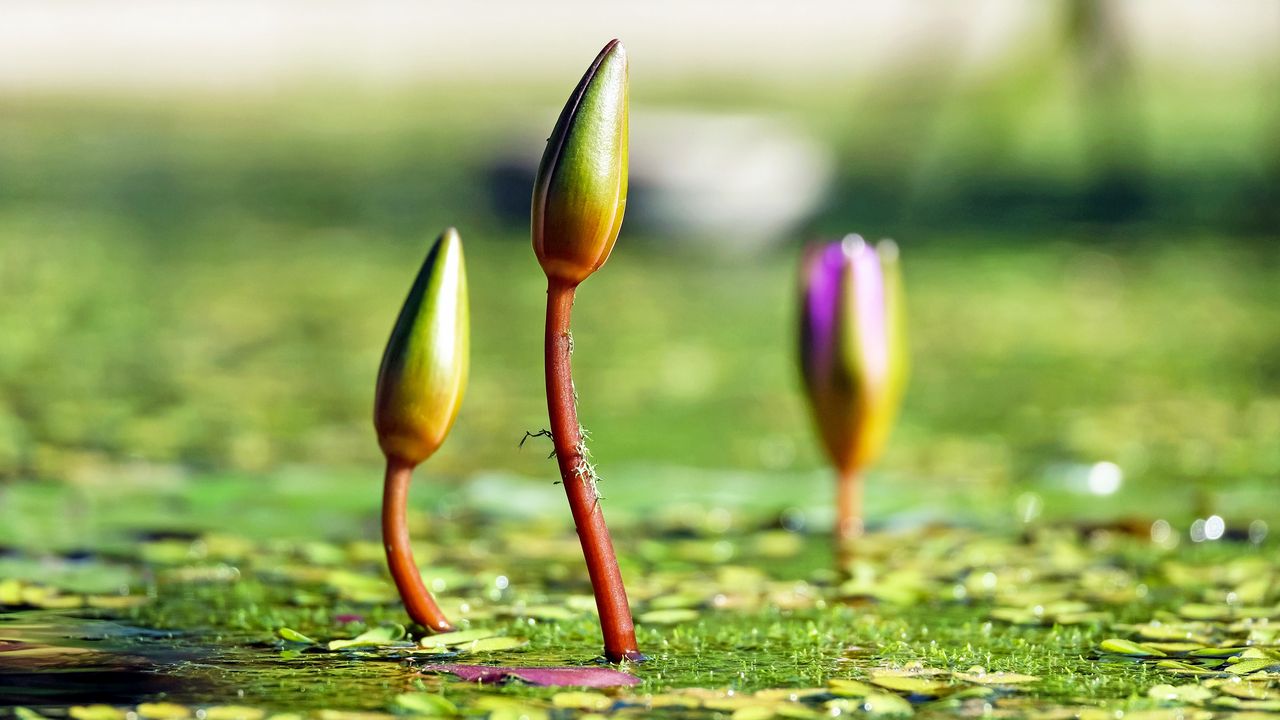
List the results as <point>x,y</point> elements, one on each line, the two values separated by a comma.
<point>449,240</point>
<point>613,51</point>
<point>613,48</point>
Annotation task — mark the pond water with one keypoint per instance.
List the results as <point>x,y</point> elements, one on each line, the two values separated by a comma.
<point>739,611</point>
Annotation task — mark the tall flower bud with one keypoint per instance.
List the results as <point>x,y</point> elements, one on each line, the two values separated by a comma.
<point>853,347</point>
<point>424,368</point>
<point>578,200</point>
<point>581,190</point>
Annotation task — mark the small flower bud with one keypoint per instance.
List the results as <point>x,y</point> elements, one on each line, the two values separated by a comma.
<point>581,189</point>
<point>424,368</point>
<point>853,352</point>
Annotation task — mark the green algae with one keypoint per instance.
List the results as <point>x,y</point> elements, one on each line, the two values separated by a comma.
<point>1049,621</point>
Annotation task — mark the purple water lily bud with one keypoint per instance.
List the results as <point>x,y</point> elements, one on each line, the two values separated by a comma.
<point>852,347</point>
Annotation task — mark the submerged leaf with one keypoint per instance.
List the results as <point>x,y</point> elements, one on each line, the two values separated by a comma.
<point>233,712</point>
<point>582,701</point>
<point>163,711</point>
<point>506,708</point>
<point>492,644</point>
<point>95,712</point>
<point>547,676</point>
<point>377,637</point>
<point>1175,648</point>
<point>1244,667</point>
<point>1191,694</point>
<point>980,676</point>
<point>328,714</point>
<point>1119,646</point>
<point>425,704</point>
<point>912,685</point>
<point>458,637</point>
<point>787,694</point>
<point>1165,714</point>
<point>291,635</point>
<point>1179,667</point>
<point>1200,611</point>
<point>762,711</point>
<point>1217,652</point>
<point>674,616</point>
<point>1175,632</point>
<point>1248,690</point>
<point>541,612</point>
<point>850,688</point>
<point>884,705</point>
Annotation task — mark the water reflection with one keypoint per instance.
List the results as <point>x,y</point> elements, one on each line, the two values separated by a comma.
<point>51,658</point>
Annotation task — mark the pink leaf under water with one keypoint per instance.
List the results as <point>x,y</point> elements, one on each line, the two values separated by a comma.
<point>548,676</point>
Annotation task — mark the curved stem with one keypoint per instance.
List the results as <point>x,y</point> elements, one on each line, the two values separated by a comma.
<point>848,527</point>
<point>579,482</point>
<point>395,539</point>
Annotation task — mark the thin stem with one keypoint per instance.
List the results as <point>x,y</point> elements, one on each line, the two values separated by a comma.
<point>395,538</point>
<point>848,527</point>
<point>580,483</point>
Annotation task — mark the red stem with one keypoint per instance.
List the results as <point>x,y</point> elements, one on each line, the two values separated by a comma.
<point>395,538</point>
<point>848,527</point>
<point>584,501</point>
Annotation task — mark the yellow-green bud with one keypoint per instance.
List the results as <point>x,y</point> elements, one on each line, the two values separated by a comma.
<point>581,189</point>
<point>424,368</point>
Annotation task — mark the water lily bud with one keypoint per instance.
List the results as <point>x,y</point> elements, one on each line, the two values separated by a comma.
<point>424,368</point>
<point>853,353</point>
<point>581,189</point>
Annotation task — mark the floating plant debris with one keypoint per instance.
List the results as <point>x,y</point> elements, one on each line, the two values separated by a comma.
<point>548,676</point>
<point>935,621</point>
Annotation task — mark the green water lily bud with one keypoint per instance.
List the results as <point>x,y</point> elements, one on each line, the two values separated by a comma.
<point>424,368</point>
<point>581,189</point>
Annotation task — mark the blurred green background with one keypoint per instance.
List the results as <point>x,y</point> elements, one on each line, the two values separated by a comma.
<point>206,232</point>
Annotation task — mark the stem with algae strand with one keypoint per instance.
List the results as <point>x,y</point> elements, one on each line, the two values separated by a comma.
<point>580,482</point>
